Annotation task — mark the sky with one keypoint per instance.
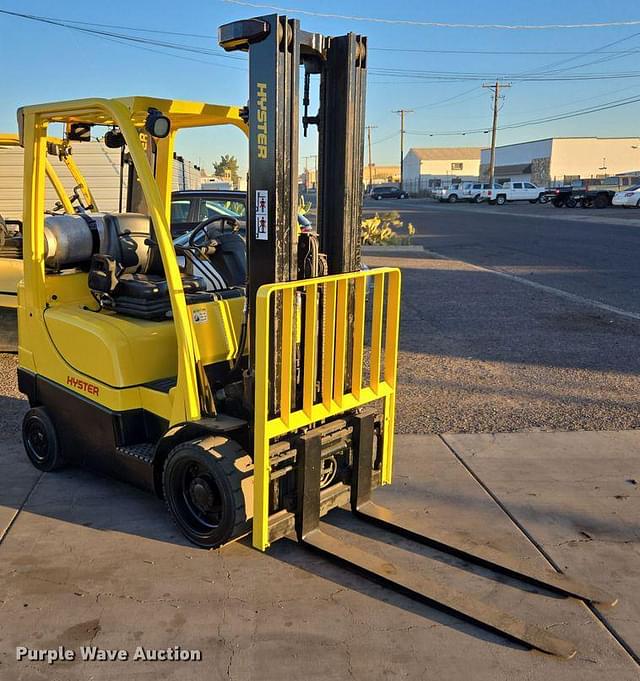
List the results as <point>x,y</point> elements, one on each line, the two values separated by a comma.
<point>408,66</point>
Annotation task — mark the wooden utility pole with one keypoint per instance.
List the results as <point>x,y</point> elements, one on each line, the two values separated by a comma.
<point>369,129</point>
<point>402,113</point>
<point>496,87</point>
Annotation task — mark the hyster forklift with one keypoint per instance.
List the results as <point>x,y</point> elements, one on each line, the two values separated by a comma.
<point>250,409</point>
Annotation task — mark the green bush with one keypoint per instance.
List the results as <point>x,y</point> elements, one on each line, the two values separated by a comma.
<point>382,230</point>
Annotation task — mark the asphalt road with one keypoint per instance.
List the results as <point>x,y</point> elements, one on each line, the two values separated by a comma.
<point>518,317</point>
<point>590,253</point>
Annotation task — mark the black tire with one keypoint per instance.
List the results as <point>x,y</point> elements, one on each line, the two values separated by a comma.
<point>571,202</point>
<point>544,198</point>
<point>208,487</point>
<point>558,203</point>
<point>377,197</point>
<point>41,441</point>
<point>501,199</point>
<point>586,203</point>
<point>453,198</point>
<point>533,200</point>
<point>601,201</point>
<point>638,204</point>
<point>477,198</point>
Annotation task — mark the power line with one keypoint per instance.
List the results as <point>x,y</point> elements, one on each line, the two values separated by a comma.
<point>136,40</point>
<point>606,106</point>
<point>497,52</point>
<point>452,76</point>
<point>434,24</point>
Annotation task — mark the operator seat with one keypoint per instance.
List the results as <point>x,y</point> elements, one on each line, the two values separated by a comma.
<point>127,274</point>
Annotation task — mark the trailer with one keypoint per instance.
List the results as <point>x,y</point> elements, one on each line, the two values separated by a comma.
<point>597,193</point>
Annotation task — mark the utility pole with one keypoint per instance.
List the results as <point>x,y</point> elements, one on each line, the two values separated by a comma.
<point>402,113</point>
<point>369,129</point>
<point>496,87</point>
<point>315,168</point>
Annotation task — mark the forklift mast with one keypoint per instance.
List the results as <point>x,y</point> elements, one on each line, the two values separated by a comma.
<point>277,48</point>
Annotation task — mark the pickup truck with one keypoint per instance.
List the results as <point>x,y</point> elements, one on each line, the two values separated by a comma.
<point>517,191</point>
<point>462,191</point>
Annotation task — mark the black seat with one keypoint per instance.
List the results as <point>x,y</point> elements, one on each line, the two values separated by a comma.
<point>127,275</point>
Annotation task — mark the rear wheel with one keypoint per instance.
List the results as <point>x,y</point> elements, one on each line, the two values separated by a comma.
<point>477,198</point>
<point>601,201</point>
<point>558,203</point>
<point>453,198</point>
<point>571,203</point>
<point>41,441</point>
<point>208,487</point>
<point>533,200</point>
<point>638,204</point>
<point>501,199</point>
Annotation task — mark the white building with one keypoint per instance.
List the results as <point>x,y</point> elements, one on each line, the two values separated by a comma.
<point>560,160</point>
<point>438,166</point>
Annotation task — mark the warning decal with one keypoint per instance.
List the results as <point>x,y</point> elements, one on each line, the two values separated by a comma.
<point>262,215</point>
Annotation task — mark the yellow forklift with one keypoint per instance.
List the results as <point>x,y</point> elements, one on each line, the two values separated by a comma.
<point>250,407</point>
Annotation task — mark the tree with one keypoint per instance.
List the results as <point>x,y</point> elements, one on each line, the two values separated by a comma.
<point>227,167</point>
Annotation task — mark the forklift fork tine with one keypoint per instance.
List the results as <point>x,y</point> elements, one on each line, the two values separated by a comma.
<point>457,544</point>
<point>436,593</point>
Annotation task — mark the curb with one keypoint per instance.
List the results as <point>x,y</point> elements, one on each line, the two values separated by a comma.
<point>388,249</point>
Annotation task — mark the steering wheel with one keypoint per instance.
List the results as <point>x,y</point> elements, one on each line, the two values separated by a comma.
<point>202,227</point>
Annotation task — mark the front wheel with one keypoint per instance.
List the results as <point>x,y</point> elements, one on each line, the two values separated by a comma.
<point>453,198</point>
<point>571,203</point>
<point>533,200</point>
<point>378,198</point>
<point>41,441</point>
<point>544,198</point>
<point>501,200</point>
<point>477,198</point>
<point>208,488</point>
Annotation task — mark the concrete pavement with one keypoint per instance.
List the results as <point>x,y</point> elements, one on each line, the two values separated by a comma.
<point>90,561</point>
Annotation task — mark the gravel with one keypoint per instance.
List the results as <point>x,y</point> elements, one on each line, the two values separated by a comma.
<point>479,353</point>
<point>12,403</point>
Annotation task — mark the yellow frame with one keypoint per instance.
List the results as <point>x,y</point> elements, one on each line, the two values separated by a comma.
<point>128,114</point>
<point>333,398</point>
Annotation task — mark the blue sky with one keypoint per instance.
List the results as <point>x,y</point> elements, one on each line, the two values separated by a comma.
<point>44,63</point>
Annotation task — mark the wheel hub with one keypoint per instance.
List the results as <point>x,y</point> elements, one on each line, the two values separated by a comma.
<point>201,494</point>
<point>38,440</point>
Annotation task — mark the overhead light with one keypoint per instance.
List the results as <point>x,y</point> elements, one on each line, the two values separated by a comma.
<point>157,124</point>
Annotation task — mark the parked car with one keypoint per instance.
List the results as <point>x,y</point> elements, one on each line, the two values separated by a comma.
<point>629,198</point>
<point>518,191</point>
<point>462,191</point>
<point>388,192</point>
<point>489,191</point>
<point>189,208</point>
